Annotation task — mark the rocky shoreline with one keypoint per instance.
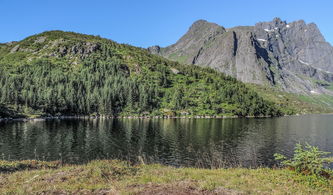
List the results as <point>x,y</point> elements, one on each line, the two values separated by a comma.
<point>127,117</point>
<point>139,117</point>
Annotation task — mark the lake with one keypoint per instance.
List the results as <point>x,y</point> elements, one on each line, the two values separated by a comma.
<point>208,143</point>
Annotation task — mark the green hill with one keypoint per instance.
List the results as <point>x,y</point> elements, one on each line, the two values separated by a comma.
<point>63,73</point>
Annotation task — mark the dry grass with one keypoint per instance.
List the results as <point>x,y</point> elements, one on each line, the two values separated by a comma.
<point>116,177</point>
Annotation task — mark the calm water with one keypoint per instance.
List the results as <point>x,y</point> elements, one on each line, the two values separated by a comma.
<point>178,142</point>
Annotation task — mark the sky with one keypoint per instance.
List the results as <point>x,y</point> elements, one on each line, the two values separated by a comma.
<point>145,23</point>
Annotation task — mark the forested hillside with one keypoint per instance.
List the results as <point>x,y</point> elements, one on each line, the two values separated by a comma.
<point>63,73</point>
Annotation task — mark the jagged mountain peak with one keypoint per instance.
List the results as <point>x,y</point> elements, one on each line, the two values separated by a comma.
<point>202,28</point>
<point>271,26</point>
<point>290,56</point>
<point>203,24</point>
<point>200,22</point>
<point>200,33</point>
<point>278,20</point>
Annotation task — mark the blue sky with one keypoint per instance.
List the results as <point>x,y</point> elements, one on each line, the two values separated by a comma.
<point>151,22</point>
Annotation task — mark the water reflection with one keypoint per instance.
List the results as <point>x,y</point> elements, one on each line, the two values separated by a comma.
<point>177,142</point>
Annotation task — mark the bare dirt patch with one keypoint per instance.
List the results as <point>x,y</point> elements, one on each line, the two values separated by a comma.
<point>81,192</point>
<point>182,188</point>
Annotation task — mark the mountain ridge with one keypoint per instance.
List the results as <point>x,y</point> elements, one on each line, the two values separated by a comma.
<point>293,57</point>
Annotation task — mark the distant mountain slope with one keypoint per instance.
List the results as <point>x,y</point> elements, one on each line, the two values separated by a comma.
<point>64,73</point>
<point>293,57</point>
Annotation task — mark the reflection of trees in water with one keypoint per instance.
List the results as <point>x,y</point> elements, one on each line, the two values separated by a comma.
<point>175,142</point>
<point>214,143</point>
<point>257,146</point>
<point>204,143</point>
<point>11,139</point>
<point>180,142</point>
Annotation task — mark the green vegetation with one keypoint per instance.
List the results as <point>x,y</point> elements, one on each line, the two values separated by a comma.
<point>13,166</point>
<point>307,159</point>
<point>8,112</point>
<point>98,177</point>
<point>64,73</point>
<point>179,58</point>
<point>292,103</point>
<point>330,87</point>
<point>323,101</point>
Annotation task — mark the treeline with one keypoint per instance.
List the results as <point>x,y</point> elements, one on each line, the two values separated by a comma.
<point>123,80</point>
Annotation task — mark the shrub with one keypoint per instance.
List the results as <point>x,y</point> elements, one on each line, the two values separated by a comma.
<point>307,160</point>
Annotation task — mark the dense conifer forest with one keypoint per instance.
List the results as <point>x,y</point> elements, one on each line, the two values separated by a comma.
<point>62,73</point>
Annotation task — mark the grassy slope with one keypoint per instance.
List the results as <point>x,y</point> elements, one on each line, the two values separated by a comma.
<point>330,87</point>
<point>114,177</point>
<point>301,104</point>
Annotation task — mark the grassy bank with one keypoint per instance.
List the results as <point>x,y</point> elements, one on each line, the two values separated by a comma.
<point>115,177</point>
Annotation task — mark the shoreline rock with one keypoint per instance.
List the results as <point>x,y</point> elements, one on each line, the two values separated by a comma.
<point>139,117</point>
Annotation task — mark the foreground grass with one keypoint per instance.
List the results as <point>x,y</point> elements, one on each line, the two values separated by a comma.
<point>116,177</point>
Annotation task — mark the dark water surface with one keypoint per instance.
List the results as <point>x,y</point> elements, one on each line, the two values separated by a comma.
<point>178,142</point>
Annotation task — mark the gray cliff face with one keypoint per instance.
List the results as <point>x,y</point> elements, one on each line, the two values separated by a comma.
<point>291,56</point>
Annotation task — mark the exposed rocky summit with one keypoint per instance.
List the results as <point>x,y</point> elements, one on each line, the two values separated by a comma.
<point>291,56</point>
<point>65,47</point>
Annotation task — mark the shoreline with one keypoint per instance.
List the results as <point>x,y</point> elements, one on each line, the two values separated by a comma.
<point>147,117</point>
<point>120,117</point>
<point>131,117</point>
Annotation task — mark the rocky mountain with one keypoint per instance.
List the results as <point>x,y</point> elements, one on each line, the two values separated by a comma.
<point>293,57</point>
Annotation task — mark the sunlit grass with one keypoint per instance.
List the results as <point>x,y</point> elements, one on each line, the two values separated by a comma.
<point>121,177</point>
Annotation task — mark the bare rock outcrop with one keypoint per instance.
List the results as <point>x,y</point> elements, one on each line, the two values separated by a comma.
<point>292,56</point>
